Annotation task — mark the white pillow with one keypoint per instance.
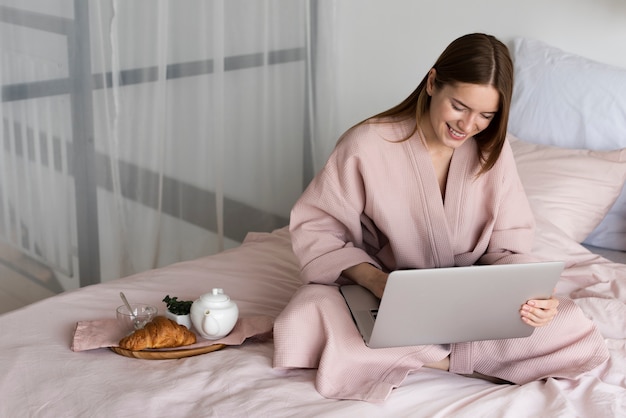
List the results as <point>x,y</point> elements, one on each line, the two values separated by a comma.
<point>572,188</point>
<point>573,102</point>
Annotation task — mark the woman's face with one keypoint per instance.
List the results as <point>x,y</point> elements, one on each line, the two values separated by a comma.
<point>457,112</point>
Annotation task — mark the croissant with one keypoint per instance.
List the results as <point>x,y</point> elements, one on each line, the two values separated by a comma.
<point>161,332</point>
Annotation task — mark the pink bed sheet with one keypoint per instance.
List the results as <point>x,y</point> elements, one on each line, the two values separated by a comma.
<point>41,377</point>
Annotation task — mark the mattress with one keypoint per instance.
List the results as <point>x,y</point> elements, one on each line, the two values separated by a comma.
<point>41,376</point>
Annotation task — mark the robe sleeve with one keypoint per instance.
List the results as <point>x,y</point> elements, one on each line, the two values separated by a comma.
<point>325,222</point>
<point>512,237</point>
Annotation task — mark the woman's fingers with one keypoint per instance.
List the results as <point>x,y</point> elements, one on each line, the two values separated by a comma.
<point>538,313</point>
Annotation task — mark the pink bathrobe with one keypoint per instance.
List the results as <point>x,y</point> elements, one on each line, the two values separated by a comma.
<point>377,200</point>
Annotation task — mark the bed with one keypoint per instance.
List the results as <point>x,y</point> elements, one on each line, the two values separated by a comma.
<point>575,187</point>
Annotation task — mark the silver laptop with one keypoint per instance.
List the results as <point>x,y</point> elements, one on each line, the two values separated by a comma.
<point>450,305</point>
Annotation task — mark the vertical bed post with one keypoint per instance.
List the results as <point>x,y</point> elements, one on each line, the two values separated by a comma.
<point>84,162</point>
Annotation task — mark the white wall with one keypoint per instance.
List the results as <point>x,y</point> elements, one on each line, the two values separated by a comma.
<point>384,48</point>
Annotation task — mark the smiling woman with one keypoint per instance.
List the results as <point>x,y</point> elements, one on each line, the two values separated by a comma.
<point>430,183</point>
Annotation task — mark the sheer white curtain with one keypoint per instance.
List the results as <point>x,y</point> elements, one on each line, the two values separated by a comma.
<point>157,130</point>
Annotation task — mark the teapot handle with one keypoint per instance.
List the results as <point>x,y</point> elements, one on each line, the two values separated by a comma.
<point>209,325</point>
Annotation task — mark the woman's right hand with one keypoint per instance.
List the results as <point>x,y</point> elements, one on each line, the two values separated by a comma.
<point>368,276</point>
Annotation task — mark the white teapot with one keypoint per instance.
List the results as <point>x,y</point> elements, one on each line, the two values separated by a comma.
<point>214,315</point>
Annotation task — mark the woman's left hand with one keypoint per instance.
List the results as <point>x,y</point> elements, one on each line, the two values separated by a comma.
<point>538,313</point>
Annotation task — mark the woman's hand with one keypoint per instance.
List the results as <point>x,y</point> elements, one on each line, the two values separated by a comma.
<point>367,276</point>
<point>538,313</point>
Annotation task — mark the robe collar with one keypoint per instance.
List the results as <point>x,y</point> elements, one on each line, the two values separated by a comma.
<point>444,212</point>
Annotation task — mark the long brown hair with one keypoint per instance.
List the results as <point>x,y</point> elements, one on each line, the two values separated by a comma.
<point>476,58</point>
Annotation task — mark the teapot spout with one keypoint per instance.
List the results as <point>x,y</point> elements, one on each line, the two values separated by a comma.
<point>210,325</point>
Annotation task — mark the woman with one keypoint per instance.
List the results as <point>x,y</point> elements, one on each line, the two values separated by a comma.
<point>429,183</point>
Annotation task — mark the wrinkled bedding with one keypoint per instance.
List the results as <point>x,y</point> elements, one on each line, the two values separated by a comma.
<point>40,376</point>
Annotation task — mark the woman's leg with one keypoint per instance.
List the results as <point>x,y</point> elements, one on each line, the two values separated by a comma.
<point>566,348</point>
<point>316,330</point>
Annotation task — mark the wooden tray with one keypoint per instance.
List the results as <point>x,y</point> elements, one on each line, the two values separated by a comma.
<point>167,354</point>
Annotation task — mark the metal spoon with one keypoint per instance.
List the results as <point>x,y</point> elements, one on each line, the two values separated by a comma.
<point>132,313</point>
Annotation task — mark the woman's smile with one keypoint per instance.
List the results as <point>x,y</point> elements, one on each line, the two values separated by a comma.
<point>456,134</point>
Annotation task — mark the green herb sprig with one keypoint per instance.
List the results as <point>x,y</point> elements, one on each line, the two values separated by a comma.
<point>177,307</point>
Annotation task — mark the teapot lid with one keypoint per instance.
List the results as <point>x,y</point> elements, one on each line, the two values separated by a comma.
<point>216,295</point>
